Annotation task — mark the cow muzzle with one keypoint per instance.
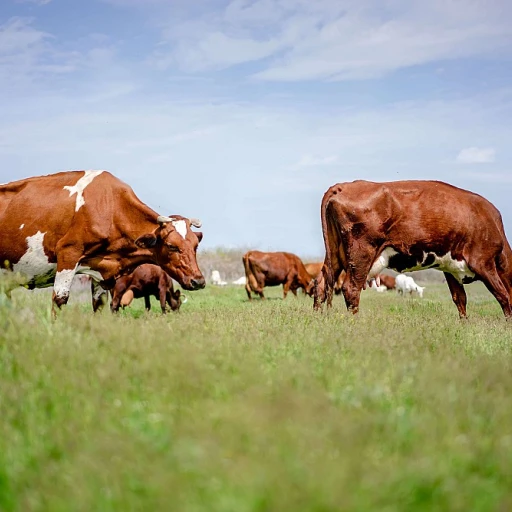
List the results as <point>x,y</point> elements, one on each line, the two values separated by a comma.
<point>193,284</point>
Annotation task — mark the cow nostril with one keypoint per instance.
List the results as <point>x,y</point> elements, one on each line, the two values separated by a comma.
<point>198,283</point>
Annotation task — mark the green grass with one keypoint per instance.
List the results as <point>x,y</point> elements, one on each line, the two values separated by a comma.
<point>237,406</point>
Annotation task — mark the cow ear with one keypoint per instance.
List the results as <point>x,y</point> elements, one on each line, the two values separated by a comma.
<point>199,235</point>
<point>146,241</point>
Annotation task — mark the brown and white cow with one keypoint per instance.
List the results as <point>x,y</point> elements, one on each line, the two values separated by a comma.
<point>145,281</point>
<point>55,226</point>
<point>275,268</point>
<point>413,225</point>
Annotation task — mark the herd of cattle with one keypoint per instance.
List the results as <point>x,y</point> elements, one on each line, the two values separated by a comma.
<point>89,222</point>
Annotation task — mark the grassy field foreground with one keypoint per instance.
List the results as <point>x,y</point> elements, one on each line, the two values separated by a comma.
<point>232,406</point>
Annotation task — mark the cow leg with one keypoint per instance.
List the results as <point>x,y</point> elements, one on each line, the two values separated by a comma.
<point>494,284</point>
<point>286,287</point>
<point>248,289</point>
<point>66,270</point>
<point>99,296</point>
<point>117,293</point>
<point>163,299</point>
<point>147,302</point>
<point>458,294</point>
<point>356,277</point>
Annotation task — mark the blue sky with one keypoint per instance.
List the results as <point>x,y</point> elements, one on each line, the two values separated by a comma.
<point>244,112</point>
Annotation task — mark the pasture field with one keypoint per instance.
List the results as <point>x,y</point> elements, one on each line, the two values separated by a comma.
<point>264,406</point>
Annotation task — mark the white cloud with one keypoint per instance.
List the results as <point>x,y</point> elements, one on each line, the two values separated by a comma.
<point>337,40</point>
<point>476,155</point>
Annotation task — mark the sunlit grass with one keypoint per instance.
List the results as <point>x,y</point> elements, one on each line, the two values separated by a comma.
<point>237,406</point>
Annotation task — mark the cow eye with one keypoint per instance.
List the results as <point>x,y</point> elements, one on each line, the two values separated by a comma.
<point>172,248</point>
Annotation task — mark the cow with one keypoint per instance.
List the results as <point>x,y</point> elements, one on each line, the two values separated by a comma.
<point>314,270</point>
<point>56,226</point>
<point>412,225</point>
<point>145,281</point>
<point>406,284</point>
<point>388,281</point>
<point>216,279</point>
<point>275,268</point>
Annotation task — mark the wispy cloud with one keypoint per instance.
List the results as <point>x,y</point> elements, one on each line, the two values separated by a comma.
<point>476,155</point>
<point>336,40</point>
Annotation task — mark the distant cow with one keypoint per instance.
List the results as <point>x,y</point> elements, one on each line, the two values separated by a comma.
<point>89,222</point>
<point>216,280</point>
<point>241,281</point>
<point>405,284</point>
<point>388,281</point>
<point>315,268</point>
<point>275,268</point>
<point>413,225</point>
<point>145,281</point>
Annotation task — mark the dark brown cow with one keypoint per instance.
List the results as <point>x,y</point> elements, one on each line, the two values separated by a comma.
<point>413,225</point>
<point>145,281</point>
<point>55,226</point>
<point>275,268</point>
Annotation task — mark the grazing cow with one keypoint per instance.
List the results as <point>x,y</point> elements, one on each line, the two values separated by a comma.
<point>405,284</point>
<point>413,225</point>
<point>216,280</point>
<point>90,222</point>
<point>275,268</point>
<point>145,281</point>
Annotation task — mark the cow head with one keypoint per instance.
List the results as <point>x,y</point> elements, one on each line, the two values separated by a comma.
<point>175,245</point>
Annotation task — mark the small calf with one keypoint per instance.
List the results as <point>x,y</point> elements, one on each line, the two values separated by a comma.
<point>144,281</point>
<point>405,284</point>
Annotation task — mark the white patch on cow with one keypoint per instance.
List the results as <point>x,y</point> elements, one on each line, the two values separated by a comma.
<point>34,262</point>
<point>80,186</point>
<point>63,281</point>
<point>22,226</point>
<point>181,227</point>
<point>382,261</point>
<point>458,268</point>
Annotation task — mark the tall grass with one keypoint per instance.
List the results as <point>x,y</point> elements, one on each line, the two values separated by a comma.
<point>236,406</point>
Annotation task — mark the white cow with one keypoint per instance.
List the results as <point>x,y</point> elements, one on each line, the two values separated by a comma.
<point>405,284</point>
<point>378,288</point>
<point>241,281</point>
<point>216,280</point>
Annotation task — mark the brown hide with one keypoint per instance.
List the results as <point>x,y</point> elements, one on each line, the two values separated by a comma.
<point>388,281</point>
<point>145,281</point>
<point>314,270</point>
<point>75,222</point>
<point>412,225</point>
<point>275,268</point>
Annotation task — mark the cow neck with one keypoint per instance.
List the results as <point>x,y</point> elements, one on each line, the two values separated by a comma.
<point>146,223</point>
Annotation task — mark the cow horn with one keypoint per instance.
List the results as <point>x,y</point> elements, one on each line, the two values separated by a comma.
<point>196,223</point>
<point>161,219</point>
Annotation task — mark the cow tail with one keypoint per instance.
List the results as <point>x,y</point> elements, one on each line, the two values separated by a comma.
<point>323,286</point>
<point>251,280</point>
